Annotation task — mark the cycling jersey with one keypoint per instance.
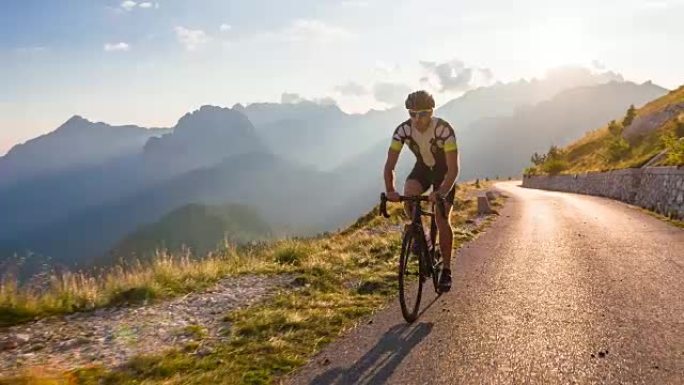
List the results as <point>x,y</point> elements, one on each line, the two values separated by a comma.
<point>429,147</point>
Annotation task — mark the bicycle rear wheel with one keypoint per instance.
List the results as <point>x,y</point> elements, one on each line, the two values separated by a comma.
<point>410,280</point>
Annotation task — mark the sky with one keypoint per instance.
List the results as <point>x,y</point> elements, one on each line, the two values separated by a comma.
<point>149,62</point>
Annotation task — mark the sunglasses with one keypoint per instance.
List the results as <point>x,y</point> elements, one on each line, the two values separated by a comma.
<point>420,113</point>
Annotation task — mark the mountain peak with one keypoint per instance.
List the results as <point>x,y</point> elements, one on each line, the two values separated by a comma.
<point>213,118</point>
<point>76,120</point>
<point>75,123</point>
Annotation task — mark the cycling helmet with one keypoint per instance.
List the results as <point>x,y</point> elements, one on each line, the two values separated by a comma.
<point>420,100</point>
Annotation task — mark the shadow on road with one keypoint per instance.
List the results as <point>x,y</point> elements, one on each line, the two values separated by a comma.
<point>378,364</point>
<point>429,305</point>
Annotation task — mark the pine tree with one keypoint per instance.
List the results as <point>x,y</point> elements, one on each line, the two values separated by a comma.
<point>629,117</point>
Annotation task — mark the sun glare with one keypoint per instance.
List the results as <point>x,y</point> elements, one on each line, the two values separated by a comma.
<point>557,43</point>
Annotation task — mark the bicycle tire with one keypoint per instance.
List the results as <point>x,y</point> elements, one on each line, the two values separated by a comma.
<point>436,269</point>
<point>409,265</point>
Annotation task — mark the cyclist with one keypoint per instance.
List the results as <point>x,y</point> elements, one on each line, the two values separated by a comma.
<point>433,142</point>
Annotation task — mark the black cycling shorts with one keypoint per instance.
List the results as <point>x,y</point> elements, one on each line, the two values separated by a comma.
<point>428,177</point>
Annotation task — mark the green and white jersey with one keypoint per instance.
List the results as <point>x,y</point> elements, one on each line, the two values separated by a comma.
<point>429,147</point>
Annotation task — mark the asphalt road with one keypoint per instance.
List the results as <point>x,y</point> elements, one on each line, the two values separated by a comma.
<point>561,289</point>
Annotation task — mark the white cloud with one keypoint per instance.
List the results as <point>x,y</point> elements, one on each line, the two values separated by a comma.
<point>455,76</point>
<point>128,5</point>
<point>225,27</point>
<point>385,68</point>
<point>351,89</point>
<point>391,93</point>
<point>307,30</point>
<point>290,98</point>
<point>294,98</point>
<point>113,47</point>
<point>325,101</point>
<point>597,64</point>
<point>355,3</point>
<point>31,50</point>
<point>191,39</point>
<point>656,4</point>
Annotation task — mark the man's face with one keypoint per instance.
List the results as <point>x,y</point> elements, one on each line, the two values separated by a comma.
<point>420,118</point>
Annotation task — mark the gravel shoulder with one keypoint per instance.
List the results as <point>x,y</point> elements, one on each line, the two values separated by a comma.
<point>112,336</point>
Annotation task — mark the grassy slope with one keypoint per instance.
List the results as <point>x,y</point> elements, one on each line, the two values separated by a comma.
<point>588,153</point>
<point>341,277</point>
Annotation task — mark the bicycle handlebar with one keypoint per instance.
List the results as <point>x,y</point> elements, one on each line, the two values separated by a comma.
<point>419,198</point>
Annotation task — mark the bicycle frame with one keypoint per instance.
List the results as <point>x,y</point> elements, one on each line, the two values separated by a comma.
<point>417,221</point>
<point>429,246</point>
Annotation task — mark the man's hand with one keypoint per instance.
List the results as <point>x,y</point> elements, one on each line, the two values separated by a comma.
<point>393,196</point>
<point>435,195</point>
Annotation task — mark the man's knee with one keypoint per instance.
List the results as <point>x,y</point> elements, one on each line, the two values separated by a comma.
<point>412,188</point>
<point>443,222</point>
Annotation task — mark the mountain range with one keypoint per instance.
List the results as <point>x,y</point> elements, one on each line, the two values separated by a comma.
<point>302,167</point>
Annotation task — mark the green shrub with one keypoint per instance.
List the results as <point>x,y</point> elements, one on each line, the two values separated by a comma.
<point>555,166</point>
<point>617,149</point>
<point>675,149</point>
<point>615,128</point>
<point>291,254</point>
<point>629,116</point>
<point>554,153</point>
<point>679,128</point>
<point>533,170</point>
<point>537,159</point>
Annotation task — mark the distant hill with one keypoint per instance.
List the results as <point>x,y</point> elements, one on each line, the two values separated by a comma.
<point>325,137</point>
<point>503,146</point>
<point>75,144</point>
<point>292,199</point>
<point>503,99</point>
<point>202,138</point>
<point>628,141</point>
<point>200,228</point>
<point>320,136</point>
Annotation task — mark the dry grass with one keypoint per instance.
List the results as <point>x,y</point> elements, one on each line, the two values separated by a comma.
<point>673,97</point>
<point>164,276</point>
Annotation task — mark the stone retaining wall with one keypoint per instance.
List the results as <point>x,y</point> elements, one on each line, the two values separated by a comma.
<point>660,189</point>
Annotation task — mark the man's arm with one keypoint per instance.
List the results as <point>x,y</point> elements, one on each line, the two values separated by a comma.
<point>453,165</point>
<point>392,157</point>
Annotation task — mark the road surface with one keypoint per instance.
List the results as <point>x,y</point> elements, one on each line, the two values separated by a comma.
<point>561,289</point>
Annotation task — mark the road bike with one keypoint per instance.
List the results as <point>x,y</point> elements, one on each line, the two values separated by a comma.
<point>420,257</point>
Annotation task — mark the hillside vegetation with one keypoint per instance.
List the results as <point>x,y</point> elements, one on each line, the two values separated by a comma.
<point>630,141</point>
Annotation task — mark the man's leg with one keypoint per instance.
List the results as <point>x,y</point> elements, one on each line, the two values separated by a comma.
<point>412,188</point>
<point>446,237</point>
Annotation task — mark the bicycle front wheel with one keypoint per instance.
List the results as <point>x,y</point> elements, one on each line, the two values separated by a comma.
<point>410,280</point>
